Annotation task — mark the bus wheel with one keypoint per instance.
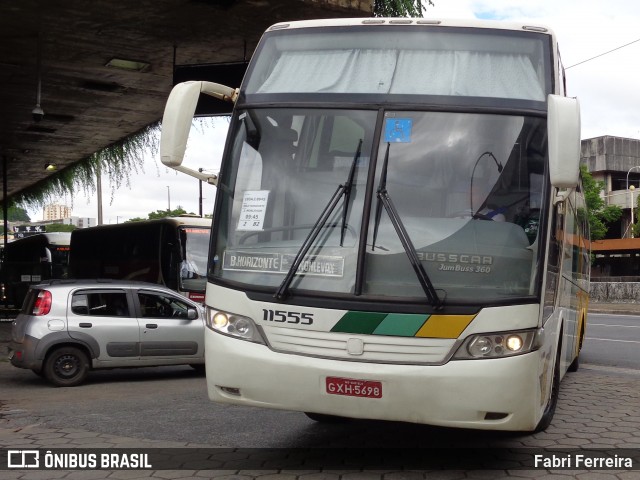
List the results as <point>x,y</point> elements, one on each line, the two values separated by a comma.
<point>322,418</point>
<point>198,367</point>
<point>576,361</point>
<point>550,409</point>
<point>575,364</point>
<point>66,367</point>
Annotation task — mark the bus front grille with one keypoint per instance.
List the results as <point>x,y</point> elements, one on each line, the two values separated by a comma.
<point>357,347</point>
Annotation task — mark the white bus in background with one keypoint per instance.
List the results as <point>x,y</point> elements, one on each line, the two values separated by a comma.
<point>400,232</point>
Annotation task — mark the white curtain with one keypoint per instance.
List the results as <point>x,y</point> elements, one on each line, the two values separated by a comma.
<point>469,74</point>
<point>332,71</point>
<point>418,72</point>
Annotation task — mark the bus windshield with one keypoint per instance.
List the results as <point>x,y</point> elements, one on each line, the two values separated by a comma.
<point>193,270</point>
<point>466,186</point>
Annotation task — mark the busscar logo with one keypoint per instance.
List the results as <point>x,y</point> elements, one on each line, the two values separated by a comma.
<point>23,459</point>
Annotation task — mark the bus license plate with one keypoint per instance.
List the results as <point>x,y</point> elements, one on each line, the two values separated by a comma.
<point>354,388</point>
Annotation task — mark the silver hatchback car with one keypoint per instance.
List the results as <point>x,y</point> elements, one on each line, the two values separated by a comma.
<point>68,327</point>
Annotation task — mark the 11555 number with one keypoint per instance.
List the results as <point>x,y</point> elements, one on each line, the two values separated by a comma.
<point>282,316</point>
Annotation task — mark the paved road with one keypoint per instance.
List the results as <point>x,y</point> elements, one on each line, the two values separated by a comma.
<point>168,407</point>
<point>613,340</point>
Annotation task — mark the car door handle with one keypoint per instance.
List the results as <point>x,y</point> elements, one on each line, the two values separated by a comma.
<point>85,325</point>
<point>151,325</point>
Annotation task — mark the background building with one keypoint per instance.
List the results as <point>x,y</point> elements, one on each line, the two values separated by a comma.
<point>616,162</point>
<point>56,212</point>
<point>80,222</point>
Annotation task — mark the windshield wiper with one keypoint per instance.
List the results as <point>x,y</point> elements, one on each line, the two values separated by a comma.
<point>385,200</point>
<point>342,190</point>
<point>347,191</point>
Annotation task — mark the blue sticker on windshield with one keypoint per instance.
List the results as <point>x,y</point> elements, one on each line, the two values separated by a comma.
<point>398,130</point>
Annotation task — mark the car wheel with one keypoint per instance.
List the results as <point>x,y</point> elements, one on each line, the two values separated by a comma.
<point>66,367</point>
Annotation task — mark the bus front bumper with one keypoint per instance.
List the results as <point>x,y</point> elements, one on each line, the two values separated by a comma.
<point>491,394</point>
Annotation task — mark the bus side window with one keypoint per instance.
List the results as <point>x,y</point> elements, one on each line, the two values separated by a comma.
<point>557,234</point>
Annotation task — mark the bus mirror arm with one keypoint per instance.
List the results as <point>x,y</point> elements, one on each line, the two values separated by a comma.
<point>221,92</point>
<point>561,195</point>
<point>210,178</point>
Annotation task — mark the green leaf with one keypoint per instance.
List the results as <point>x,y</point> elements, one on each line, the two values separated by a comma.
<point>400,8</point>
<point>599,214</point>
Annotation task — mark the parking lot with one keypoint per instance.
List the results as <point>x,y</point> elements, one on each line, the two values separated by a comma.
<point>161,408</point>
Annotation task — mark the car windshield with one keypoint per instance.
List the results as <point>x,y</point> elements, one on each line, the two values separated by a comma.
<point>466,188</point>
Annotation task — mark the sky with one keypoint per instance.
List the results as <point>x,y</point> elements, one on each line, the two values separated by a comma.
<point>607,88</point>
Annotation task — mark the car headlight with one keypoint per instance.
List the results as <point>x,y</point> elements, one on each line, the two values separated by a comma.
<point>237,326</point>
<point>499,345</point>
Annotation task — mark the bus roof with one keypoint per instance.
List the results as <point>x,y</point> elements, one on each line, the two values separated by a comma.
<point>53,238</point>
<point>187,221</point>
<point>427,22</point>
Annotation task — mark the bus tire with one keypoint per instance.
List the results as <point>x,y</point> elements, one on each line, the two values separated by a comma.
<point>575,365</point>
<point>66,367</point>
<point>199,367</point>
<point>576,361</point>
<point>323,418</point>
<point>550,408</point>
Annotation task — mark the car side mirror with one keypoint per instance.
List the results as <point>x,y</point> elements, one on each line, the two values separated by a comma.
<point>192,313</point>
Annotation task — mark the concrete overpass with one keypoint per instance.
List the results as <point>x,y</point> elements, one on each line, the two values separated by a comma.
<point>102,70</point>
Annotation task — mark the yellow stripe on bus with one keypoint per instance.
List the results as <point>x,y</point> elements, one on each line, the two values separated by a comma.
<point>445,326</point>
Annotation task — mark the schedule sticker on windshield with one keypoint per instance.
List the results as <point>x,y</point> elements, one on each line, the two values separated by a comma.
<point>254,207</point>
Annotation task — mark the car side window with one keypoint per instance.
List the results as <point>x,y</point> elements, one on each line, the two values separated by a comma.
<point>104,304</point>
<point>157,305</point>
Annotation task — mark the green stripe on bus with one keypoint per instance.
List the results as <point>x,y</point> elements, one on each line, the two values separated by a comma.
<point>359,322</point>
<point>401,325</point>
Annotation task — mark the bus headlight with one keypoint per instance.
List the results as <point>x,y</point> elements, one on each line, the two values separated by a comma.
<point>237,326</point>
<point>498,345</point>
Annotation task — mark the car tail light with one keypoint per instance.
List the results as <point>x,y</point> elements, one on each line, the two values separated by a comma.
<point>42,306</point>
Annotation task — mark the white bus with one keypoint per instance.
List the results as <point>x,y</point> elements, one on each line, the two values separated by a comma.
<point>399,229</point>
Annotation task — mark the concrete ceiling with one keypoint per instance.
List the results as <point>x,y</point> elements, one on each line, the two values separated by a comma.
<point>64,45</point>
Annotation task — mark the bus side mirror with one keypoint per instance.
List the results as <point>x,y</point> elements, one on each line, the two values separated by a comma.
<point>563,128</point>
<point>177,119</point>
